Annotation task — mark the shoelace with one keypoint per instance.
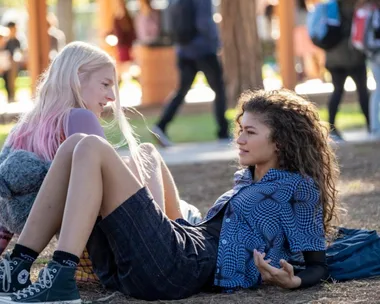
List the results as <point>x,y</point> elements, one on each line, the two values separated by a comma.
<point>44,281</point>
<point>5,269</point>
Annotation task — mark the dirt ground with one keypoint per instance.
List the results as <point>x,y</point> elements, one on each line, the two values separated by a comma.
<point>359,185</point>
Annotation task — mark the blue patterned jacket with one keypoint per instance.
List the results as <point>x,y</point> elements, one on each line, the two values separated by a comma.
<point>280,215</point>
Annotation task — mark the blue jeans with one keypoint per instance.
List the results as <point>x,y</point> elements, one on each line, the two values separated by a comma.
<point>375,99</point>
<point>140,252</point>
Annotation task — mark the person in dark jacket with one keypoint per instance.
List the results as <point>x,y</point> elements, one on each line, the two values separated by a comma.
<point>343,61</point>
<point>12,46</point>
<point>198,55</point>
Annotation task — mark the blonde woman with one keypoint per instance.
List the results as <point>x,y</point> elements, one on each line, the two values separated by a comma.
<point>70,98</point>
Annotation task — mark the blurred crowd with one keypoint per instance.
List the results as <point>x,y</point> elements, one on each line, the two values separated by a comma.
<point>150,26</point>
<point>14,53</point>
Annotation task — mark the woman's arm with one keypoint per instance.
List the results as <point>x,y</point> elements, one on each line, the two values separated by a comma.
<point>316,268</point>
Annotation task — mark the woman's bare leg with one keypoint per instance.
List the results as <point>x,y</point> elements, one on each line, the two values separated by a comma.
<point>160,182</point>
<point>45,217</point>
<point>172,206</point>
<point>154,180</point>
<point>100,182</point>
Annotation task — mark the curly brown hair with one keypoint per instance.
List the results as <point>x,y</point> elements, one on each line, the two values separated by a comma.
<point>301,139</point>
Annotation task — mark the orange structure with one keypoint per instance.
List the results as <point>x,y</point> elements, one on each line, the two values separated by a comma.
<point>38,55</point>
<point>105,23</point>
<point>157,64</point>
<point>286,9</point>
<point>159,74</point>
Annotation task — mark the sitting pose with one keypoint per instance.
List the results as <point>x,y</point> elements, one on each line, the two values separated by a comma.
<point>70,99</point>
<point>282,205</point>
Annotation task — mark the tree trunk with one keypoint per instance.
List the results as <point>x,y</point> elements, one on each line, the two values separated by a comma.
<point>65,18</point>
<point>242,52</point>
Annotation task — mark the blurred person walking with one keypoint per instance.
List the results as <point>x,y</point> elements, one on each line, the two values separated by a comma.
<point>366,38</point>
<point>56,36</point>
<point>342,61</point>
<point>124,30</point>
<point>147,24</point>
<point>196,36</point>
<point>12,46</point>
<point>5,60</point>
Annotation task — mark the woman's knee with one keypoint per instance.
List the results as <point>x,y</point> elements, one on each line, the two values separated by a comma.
<point>89,146</point>
<point>70,143</point>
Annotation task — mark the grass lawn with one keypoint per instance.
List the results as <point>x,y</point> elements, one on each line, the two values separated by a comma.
<point>202,127</point>
<point>4,130</point>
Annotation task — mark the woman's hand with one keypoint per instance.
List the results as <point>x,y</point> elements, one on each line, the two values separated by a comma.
<point>283,277</point>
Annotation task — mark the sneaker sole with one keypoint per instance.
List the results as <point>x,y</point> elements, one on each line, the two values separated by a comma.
<point>161,138</point>
<point>9,301</point>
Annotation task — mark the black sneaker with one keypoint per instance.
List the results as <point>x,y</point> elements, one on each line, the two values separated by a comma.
<point>56,284</point>
<point>161,137</point>
<point>336,136</point>
<point>14,274</point>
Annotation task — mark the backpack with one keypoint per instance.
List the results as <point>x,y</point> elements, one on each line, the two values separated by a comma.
<point>324,25</point>
<point>182,21</point>
<point>353,255</point>
<point>365,31</point>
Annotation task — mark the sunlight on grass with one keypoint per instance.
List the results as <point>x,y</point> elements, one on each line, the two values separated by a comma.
<point>4,130</point>
<point>349,116</point>
<point>202,127</point>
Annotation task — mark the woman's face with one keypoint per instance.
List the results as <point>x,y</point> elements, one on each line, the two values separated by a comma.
<point>97,89</point>
<point>254,142</point>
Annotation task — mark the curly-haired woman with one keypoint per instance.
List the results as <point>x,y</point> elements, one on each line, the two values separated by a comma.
<point>282,204</point>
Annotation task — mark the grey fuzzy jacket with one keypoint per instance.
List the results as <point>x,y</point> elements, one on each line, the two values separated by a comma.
<point>21,176</point>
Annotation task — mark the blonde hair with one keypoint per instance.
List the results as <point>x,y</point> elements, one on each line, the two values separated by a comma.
<point>44,128</point>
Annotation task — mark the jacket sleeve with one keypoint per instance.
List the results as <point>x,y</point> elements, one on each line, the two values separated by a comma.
<point>204,19</point>
<point>302,219</point>
<point>316,268</point>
